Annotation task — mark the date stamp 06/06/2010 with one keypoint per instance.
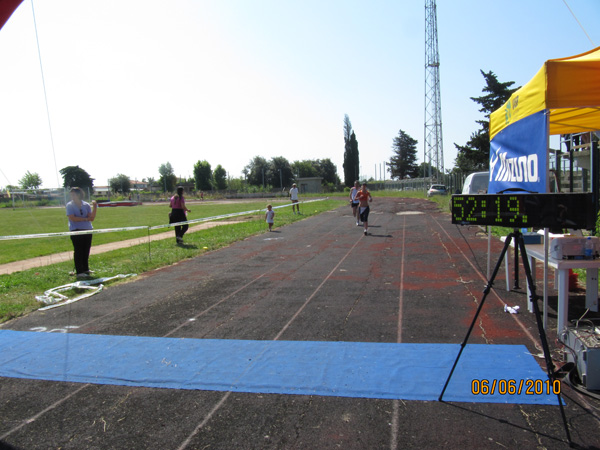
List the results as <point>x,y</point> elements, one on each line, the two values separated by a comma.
<point>515,387</point>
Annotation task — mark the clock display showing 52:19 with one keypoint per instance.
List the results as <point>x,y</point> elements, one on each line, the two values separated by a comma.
<point>545,210</point>
<point>499,210</point>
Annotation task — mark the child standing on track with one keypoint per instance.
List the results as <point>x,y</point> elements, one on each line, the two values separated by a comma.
<point>269,216</point>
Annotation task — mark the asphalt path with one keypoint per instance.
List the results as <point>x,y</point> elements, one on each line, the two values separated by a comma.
<point>416,278</point>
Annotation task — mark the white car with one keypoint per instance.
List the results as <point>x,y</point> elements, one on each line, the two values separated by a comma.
<point>437,189</point>
<point>476,183</point>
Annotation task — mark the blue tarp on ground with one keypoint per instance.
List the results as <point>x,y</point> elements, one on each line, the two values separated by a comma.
<point>345,369</point>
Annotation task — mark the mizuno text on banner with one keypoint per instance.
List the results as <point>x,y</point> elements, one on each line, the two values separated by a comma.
<point>518,156</point>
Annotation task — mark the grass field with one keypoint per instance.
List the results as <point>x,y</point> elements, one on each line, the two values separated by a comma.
<point>22,221</point>
<point>18,290</point>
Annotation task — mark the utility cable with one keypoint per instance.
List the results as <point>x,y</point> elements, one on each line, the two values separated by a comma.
<point>577,20</point>
<point>5,176</point>
<point>45,93</point>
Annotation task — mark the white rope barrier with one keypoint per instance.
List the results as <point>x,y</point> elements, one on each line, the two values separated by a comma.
<point>155,227</point>
<point>70,233</point>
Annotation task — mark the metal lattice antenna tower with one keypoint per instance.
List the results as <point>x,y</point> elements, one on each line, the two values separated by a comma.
<point>434,151</point>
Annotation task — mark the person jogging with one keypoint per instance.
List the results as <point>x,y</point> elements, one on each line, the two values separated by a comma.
<point>364,198</point>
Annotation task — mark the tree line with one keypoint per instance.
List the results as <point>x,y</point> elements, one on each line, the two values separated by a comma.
<point>259,173</point>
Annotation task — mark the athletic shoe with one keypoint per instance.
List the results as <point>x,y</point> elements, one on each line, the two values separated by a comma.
<point>365,232</point>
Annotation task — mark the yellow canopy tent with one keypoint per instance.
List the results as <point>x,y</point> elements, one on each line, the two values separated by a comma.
<point>569,88</point>
<point>562,98</point>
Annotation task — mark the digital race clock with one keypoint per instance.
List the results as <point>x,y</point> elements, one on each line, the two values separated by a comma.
<point>568,210</point>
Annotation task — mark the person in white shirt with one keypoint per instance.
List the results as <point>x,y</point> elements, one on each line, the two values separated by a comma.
<point>294,198</point>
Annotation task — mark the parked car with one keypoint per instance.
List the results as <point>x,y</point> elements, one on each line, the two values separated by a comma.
<point>437,189</point>
<point>476,183</point>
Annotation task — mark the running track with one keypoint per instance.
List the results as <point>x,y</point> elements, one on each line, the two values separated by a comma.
<point>415,279</point>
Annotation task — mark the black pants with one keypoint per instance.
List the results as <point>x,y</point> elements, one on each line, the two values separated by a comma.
<point>82,244</point>
<point>178,215</point>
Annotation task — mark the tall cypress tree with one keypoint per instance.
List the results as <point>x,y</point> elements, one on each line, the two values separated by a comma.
<point>351,160</point>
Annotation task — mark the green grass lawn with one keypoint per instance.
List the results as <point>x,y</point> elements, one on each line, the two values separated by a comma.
<point>22,221</point>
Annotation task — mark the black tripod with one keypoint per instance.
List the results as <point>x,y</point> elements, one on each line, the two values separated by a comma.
<point>519,244</point>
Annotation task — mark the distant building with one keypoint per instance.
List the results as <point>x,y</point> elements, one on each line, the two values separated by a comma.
<point>101,190</point>
<point>134,185</point>
<point>138,185</point>
<point>309,185</point>
<point>188,186</point>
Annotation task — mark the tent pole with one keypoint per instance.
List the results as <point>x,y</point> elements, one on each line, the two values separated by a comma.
<point>547,151</point>
<point>595,185</point>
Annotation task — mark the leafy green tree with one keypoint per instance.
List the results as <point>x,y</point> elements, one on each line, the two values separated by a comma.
<point>30,181</point>
<point>203,176</point>
<point>220,177</point>
<point>304,169</point>
<point>351,159</point>
<point>75,176</point>
<point>280,172</point>
<point>151,183</point>
<point>475,154</point>
<point>237,184</point>
<point>425,169</point>
<point>167,178</point>
<point>258,171</point>
<point>323,168</point>
<point>120,183</point>
<point>404,161</point>
<point>327,170</point>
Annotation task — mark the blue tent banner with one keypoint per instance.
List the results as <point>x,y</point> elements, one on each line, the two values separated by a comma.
<point>519,155</point>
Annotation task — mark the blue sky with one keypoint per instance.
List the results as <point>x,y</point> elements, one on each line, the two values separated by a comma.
<point>134,84</point>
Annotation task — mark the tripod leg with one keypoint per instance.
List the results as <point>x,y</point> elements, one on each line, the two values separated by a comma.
<point>516,286</point>
<point>542,332</point>
<point>485,294</point>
